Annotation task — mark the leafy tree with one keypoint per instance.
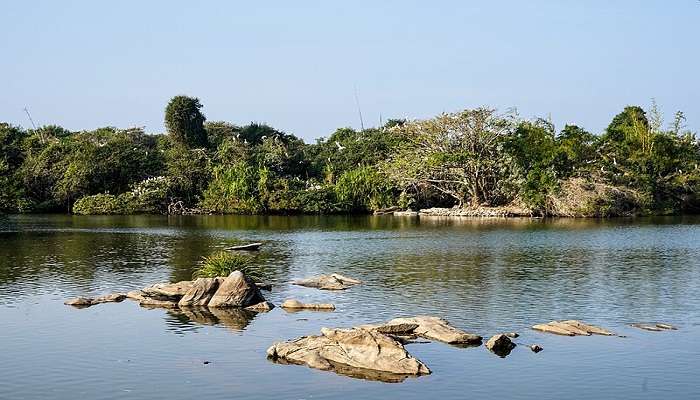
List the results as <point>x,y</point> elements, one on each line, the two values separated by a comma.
<point>457,154</point>
<point>185,122</point>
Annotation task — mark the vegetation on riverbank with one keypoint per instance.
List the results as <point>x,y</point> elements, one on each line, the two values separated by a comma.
<point>472,158</point>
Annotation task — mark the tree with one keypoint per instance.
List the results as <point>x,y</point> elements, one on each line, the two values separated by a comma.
<point>185,122</point>
<point>457,154</point>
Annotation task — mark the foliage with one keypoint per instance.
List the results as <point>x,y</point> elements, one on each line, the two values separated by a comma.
<point>479,157</point>
<point>223,263</point>
<point>185,122</point>
<point>102,204</point>
<point>458,154</point>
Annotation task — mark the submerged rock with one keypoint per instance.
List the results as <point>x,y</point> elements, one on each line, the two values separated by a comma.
<point>654,327</point>
<point>328,282</point>
<point>536,348</point>
<point>293,304</point>
<point>236,290</point>
<point>81,302</point>
<point>357,352</point>
<point>572,328</point>
<point>500,345</point>
<point>437,329</point>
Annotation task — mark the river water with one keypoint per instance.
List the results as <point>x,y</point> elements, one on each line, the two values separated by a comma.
<point>484,275</point>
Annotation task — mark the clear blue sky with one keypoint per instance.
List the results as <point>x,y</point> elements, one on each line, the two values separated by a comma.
<point>295,64</point>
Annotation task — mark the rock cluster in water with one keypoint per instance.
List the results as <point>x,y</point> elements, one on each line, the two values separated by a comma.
<point>235,290</point>
<point>372,351</point>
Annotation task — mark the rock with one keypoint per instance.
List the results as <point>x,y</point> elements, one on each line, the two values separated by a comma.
<point>362,353</point>
<point>438,329</point>
<point>200,292</point>
<point>150,302</point>
<point>596,330</point>
<point>512,335</point>
<point>500,345</point>
<point>171,290</point>
<point>247,247</point>
<point>137,295</point>
<point>298,305</point>
<point>328,282</point>
<point>236,290</point>
<point>536,348</point>
<point>553,329</point>
<point>79,302</point>
<point>666,326</point>
<point>407,213</point>
<point>572,328</point>
<point>654,327</point>
<point>264,306</point>
<point>82,302</point>
<point>401,329</point>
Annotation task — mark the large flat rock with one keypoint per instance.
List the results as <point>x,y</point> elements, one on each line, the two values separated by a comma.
<point>354,352</point>
<point>434,328</point>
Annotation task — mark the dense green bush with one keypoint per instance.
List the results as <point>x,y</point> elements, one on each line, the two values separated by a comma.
<point>103,204</point>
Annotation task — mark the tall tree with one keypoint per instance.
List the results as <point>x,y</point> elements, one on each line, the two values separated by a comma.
<point>456,154</point>
<point>185,122</point>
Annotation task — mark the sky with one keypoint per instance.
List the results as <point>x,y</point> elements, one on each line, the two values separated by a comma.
<point>303,66</point>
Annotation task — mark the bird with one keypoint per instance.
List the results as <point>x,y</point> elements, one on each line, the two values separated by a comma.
<point>340,147</point>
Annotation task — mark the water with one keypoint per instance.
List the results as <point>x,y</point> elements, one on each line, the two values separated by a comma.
<point>485,276</point>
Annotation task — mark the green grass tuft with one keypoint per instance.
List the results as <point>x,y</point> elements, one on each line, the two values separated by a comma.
<point>223,263</point>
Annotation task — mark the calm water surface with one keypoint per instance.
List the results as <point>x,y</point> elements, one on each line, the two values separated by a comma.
<point>485,276</point>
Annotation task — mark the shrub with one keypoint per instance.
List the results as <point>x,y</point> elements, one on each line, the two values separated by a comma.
<point>101,204</point>
<point>223,263</point>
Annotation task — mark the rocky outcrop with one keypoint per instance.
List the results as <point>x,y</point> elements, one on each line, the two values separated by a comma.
<point>81,302</point>
<point>572,328</point>
<point>236,290</point>
<point>482,212</point>
<point>293,304</point>
<point>654,327</point>
<point>500,345</point>
<point>434,328</point>
<point>200,292</point>
<point>357,352</point>
<point>328,282</point>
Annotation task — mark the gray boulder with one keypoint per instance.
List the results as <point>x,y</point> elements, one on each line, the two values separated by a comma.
<point>200,292</point>
<point>236,290</point>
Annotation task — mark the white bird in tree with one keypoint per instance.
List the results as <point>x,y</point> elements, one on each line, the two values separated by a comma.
<point>340,147</point>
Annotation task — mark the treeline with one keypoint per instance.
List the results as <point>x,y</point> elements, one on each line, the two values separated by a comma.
<point>474,158</point>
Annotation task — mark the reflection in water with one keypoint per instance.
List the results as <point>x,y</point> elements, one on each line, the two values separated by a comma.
<point>186,318</point>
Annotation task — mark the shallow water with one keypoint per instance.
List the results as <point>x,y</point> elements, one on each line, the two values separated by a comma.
<point>485,276</point>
